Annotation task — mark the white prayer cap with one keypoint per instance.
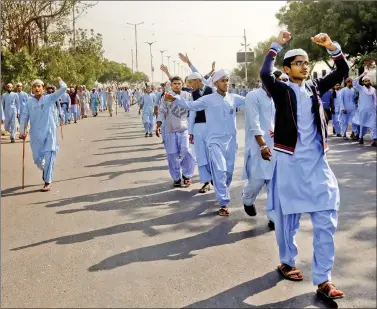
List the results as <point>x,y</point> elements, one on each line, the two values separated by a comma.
<point>9,84</point>
<point>284,76</point>
<point>295,52</point>
<point>366,77</point>
<point>19,84</point>
<point>194,75</point>
<point>220,74</point>
<point>37,82</point>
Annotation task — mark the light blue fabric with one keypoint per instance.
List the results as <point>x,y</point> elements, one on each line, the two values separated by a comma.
<point>43,132</point>
<point>201,150</point>
<point>94,99</point>
<point>75,112</point>
<point>259,121</point>
<point>286,226</point>
<point>23,97</point>
<point>366,108</point>
<point>177,144</point>
<point>147,103</point>
<point>46,164</point>
<point>347,103</point>
<point>195,70</point>
<point>11,108</point>
<point>306,181</point>
<point>221,136</point>
<point>336,116</point>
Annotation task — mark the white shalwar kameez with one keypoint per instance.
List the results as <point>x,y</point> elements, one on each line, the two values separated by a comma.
<point>259,120</point>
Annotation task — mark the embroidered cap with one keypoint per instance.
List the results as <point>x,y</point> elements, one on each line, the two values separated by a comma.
<point>295,52</point>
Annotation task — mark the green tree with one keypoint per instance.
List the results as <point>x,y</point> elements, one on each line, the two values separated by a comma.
<point>352,24</point>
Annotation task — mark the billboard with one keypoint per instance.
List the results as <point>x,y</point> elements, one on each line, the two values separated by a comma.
<point>241,57</point>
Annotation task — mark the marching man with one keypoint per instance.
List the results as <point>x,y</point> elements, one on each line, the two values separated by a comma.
<point>40,110</point>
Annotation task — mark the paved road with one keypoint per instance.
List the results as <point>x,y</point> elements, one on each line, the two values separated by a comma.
<point>114,233</point>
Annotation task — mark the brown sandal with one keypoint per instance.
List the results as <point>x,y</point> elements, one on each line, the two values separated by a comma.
<point>186,181</point>
<point>290,273</point>
<point>328,290</point>
<point>46,188</point>
<point>223,211</point>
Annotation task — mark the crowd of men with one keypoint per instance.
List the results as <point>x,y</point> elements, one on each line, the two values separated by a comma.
<point>286,139</point>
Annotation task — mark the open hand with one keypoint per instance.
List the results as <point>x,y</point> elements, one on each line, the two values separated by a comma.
<point>164,68</point>
<point>284,37</point>
<point>213,66</point>
<point>184,58</point>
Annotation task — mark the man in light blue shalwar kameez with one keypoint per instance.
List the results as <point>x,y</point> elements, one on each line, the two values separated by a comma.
<point>66,105</point>
<point>220,110</point>
<point>11,107</point>
<point>347,107</point>
<point>303,181</point>
<point>147,104</point>
<point>366,108</point>
<point>180,158</point>
<point>336,99</point>
<point>126,99</point>
<point>259,163</point>
<point>94,100</point>
<point>22,96</point>
<point>41,111</point>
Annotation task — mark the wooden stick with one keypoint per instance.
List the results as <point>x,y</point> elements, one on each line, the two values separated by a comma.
<point>116,108</point>
<point>23,158</point>
<point>61,130</point>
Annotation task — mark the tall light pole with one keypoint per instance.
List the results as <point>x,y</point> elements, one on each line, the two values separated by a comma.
<point>150,51</point>
<point>162,62</point>
<point>137,64</point>
<point>245,45</point>
<point>177,68</point>
<point>132,59</point>
<point>182,71</point>
<point>168,62</point>
<point>174,66</point>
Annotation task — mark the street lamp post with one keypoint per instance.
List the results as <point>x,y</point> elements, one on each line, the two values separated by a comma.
<point>174,66</point>
<point>168,62</point>
<point>150,51</point>
<point>162,62</point>
<point>137,64</point>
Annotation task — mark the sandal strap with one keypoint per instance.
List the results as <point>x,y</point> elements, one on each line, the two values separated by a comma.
<point>289,270</point>
<point>328,287</point>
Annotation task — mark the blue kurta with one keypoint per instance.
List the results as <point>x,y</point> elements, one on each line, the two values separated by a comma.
<point>41,113</point>
<point>305,181</point>
<point>11,108</point>
<point>366,106</point>
<point>221,137</point>
<point>347,103</point>
<point>23,97</point>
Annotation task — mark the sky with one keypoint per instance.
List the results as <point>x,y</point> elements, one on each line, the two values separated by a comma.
<point>213,33</point>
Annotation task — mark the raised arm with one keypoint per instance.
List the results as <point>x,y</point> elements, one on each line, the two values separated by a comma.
<point>63,88</point>
<point>164,69</point>
<point>197,105</point>
<point>355,82</point>
<point>273,85</point>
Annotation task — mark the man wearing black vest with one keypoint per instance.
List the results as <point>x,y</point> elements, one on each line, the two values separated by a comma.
<point>198,131</point>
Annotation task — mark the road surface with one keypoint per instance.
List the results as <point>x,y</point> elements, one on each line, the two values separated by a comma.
<point>114,233</point>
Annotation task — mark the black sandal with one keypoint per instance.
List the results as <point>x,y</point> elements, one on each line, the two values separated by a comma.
<point>186,181</point>
<point>177,183</point>
<point>206,187</point>
<point>290,273</point>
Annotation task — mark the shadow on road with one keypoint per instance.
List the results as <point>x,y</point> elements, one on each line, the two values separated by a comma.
<point>236,296</point>
<point>181,248</point>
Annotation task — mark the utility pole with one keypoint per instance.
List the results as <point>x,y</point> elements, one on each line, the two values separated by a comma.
<point>132,59</point>
<point>182,71</point>
<point>168,62</point>
<point>174,67</point>
<point>137,64</point>
<point>150,51</point>
<point>74,26</point>
<point>245,45</point>
<point>162,62</point>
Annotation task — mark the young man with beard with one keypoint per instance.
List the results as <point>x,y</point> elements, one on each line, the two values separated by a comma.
<point>366,107</point>
<point>147,103</point>
<point>41,111</point>
<point>11,108</point>
<point>180,159</point>
<point>347,107</point>
<point>220,110</point>
<point>198,131</point>
<point>303,181</point>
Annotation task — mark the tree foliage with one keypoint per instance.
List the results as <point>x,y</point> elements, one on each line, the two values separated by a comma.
<point>33,41</point>
<point>352,24</point>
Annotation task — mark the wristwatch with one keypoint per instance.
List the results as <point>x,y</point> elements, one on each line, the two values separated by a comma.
<point>263,147</point>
